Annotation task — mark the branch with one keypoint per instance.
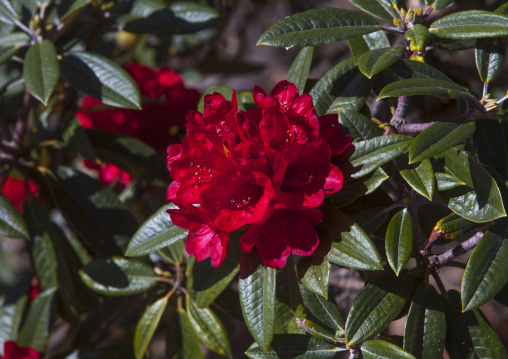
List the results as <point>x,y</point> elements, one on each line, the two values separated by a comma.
<point>413,127</point>
<point>445,257</point>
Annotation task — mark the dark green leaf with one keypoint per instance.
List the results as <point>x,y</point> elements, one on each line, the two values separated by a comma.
<point>351,190</point>
<point>326,310</point>
<point>425,332</point>
<point>45,261</point>
<point>299,70</point>
<point>379,349</point>
<point>489,54</point>
<point>503,9</point>
<point>173,252</point>
<point>38,324</point>
<point>100,78</point>
<point>118,276</point>
<point>364,43</point>
<point>446,181</point>
<point>11,315</point>
<point>257,298</point>
<point>482,279</point>
<point>8,14</point>
<point>155,233</point>
<point>209,328</point>
<point>420,177</point>
<point>314,274</point>
<point>381,9</point>
<point>470,24</point>
<point>479,200</point>
<point>149,16</point>
<point>75,137</point>
<point>376,306</point>
<point>286,346</point>
<point>399,241</point>
<point>438,138</point>
<point>350,245</point>
<point>41,70</point>
<point>421,37</point>
<point>73,9</point>
<point>371,219</point>
<point>182,341</point>
<point>317,331</point>
<point>423,86</point>
<point>344,82</point>
<point>409,69</point>
<point>375,61</point>
<point>453,226</point>
<point>14,39</point>
<point>438,4</point>
<point>371,154</point>
<point>147,325</point>
<point>194,17</point>
<point>12,224</point>
<point>492,145</point>
<point>318,27</point>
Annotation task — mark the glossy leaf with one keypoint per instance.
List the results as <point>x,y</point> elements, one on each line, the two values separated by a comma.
<point>371,154</point>
<point>257,299</point>
<point>182,341</point>
<point>149,16</point>
<point>492,145</point>
<point>421,37</point>
<point>479,200</point>
<point>209,329</point>
<point>371,219</point>
<point>14,39</point>
<point>425,331</point>
<point>489,55</point>
<point>314,274</point>
<point>438,138</point>
<point>482,279</point>
<point>38,324</point>
<point>453,226</point>
<point>351,190</point>
<point>375,61</point>
<point>420,177</point>
<point>12,224</point>
<point>299,70</point>
<point>41,70</point>
<point>379,349</point>
<point>193,17</point>
<point>445,181</point>
<point>75,137</point>
<point>376,306</point>
<point>318,27</point>
<point>343,82</point>
<point>361,44</point>
<point>409,69</point>
<point>326,310</point>
<point>423,86</point>
<point>11,314</point>
<point>8,14</point>
<point>470,24</point>
<point>147,325</point>
<point>381,9</point>
<point>317,331</point>
<point>350,245</point>
<point>294,346</point>
<point>100,78</point>
<point>399,241</point>
<point>75,8</point>
<point>118,276</point>
<point>438,4</point>
<point>155,233</point>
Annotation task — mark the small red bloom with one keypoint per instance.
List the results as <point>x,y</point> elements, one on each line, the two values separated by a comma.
<point>15,190</point>
<point>12,351</point>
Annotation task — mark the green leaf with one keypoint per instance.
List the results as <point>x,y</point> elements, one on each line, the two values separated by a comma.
<point>420,177</point>
<point>492,146</point>
<point>470,24</point>
<point>11,315</point>
<point>41,70</point>
<point>438,138</point>
<point>379,349</point>
<point>482,279</point>
<point>317,331</point>
<point>381,9</point>
<point>399,241</point>
<point>147,325</point>
<point>182,341</point>
<point>350,245</point>
<point>314,274</point>
<point>376,306</point>
<point>155,233</point>
<point>293,346</point>
<point>409,69</point>
<point>173,252</point>
<point>8,14</point>
<point>100,78</point>
<point>371,219</point>
<point>92,210</point>
<point>257,299</point>
<point>149,16</point>
<point>73,8</point>
<point>425,331</point>
<point>225,91</point>
<point>118,276</point>
<point>453,226</point>
<point>193,17</point>
<point>438,4</point>
<point>75,137</point>
<point>361,44</point>
<point>326,310</point>
<point>12,224</point>
<point>38,324</point>
<point>45,261</point>
<point>479,200</point>
<point>446,181</point>
<point>14,39</point>
<point>470,335</point>
<point>205,283</point>
<point>489,54</point>
<point>209,329</point>
<point>318,27</point>
<point>299,70</point>
<point>423,86</point>
<point>371,154</point>
<point>375,61</point>
<point>421,36</point>
<point>351,190</point>
<point>343,82</point>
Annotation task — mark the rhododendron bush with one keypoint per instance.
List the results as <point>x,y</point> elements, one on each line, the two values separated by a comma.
<point>348,201</point>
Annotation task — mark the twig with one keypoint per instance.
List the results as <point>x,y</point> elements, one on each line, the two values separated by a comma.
<point>22,119</point>
<point>413,127</point>
<point>438,280</point>
<point>445,257</point>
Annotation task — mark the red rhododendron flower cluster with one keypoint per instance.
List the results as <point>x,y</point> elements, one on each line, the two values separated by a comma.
<point>268,168</point>
<point>12,351</point>
<point>165,100</point>
<point>15,190</point>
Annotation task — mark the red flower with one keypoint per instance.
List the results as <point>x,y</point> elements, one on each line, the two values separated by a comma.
<point>15,190</point>
<point>12,351</point>
<point>165,103</point>
<point>267,168</point>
